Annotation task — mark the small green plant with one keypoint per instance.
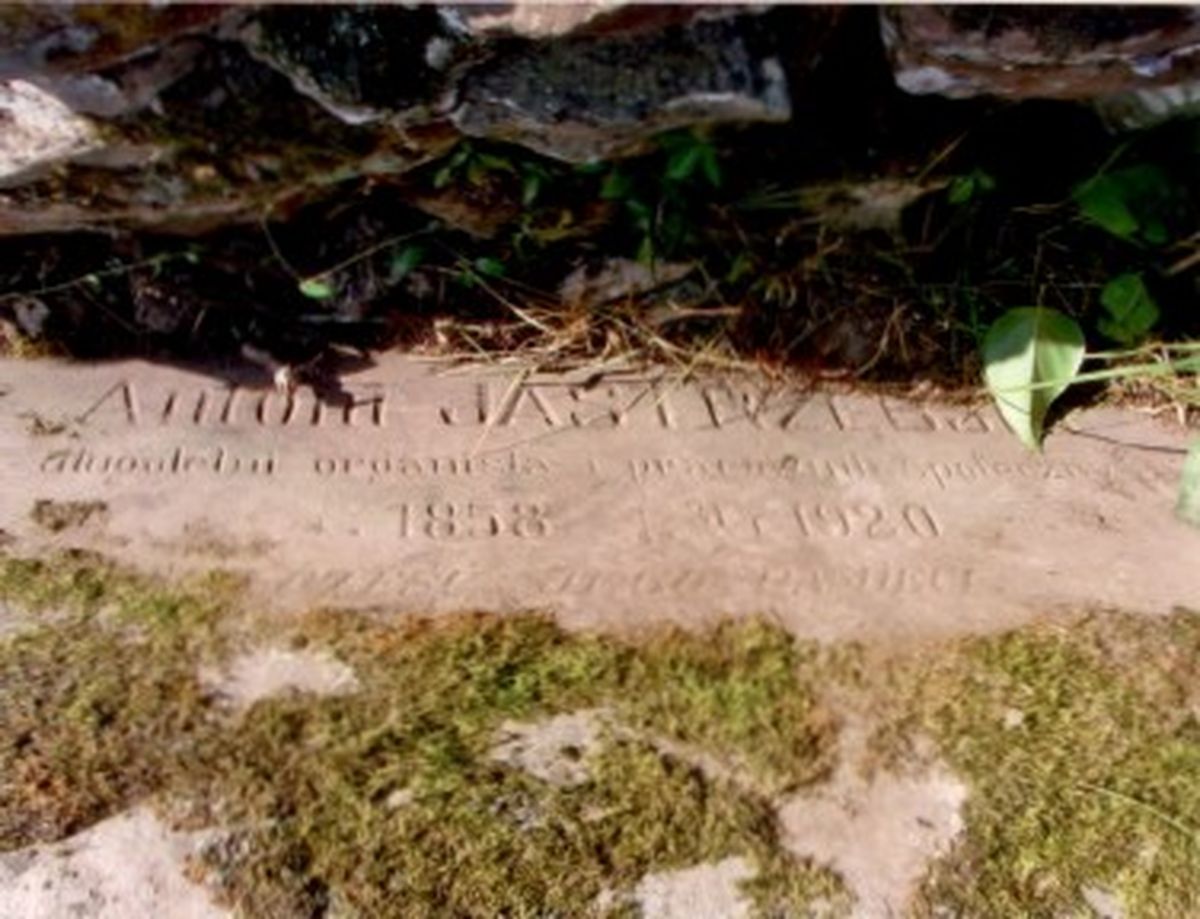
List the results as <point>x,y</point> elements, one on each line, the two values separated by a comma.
<point>1130,310</point>
<point>1135,204</point>
<point>477,167</point>
<point>472,165</point>
<point>970,187</point>
<point>662,210</point>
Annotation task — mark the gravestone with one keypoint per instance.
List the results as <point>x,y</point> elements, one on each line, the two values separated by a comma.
<point>619,503</point>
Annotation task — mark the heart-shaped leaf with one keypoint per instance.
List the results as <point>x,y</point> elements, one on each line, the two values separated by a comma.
<point>1030,355</point>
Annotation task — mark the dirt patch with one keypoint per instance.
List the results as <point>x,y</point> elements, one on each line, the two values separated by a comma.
<point>269,672</point>
<point>126,867</point>
<point>880,834</point>
<point>57,516</point>
<point>709,891</point>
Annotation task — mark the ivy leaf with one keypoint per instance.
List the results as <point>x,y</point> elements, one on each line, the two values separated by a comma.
<point>1132,312</point>
<point>1188,507</point>
<point>316,288</point>
<point>1030,356</point>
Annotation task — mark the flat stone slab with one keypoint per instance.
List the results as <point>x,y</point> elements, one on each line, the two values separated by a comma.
<point>617,503</point>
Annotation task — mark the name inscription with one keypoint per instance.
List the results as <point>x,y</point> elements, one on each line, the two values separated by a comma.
<point>547,406</point>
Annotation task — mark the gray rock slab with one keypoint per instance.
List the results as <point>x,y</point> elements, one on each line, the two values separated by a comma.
<point>129,866</point>
<point>620,504</point>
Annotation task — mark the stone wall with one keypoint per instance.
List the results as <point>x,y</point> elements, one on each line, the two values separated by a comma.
<point>183,119</point>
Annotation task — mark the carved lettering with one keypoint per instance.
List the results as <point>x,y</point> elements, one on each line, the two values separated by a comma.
<point>179,461</point>
<point>121,398</point>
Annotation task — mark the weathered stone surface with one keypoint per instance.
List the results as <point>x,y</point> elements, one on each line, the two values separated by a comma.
<point>582,99</point>
<point>126,867</point>
<point>362,63</point>
<point>1062,52</point>
<point>840,515</point>
<point>40,39</point>
<point>222,144</point>
<point>540,20</point>
<point>39,133</point>
<point>708,891</point>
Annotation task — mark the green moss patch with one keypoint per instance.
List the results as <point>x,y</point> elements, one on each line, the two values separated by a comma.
<point>389,795</point>
<point>1080,744</point>
<point>1083,748</point>
<point>98,703</point>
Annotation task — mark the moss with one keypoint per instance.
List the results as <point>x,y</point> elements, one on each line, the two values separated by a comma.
<point>98,704</point>
<point>390,796</point>
<point>749,690</point>
<point>1079,779</point>
<point>478,838</point>
<point>1081,746</point>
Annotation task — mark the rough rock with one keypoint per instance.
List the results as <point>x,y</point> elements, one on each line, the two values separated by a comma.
<point>127,867</point>
<point>187,118</point>
<point>554,750</point>
<point>362,63</point>
<point>583,99</point>
<point>269,672</point>
<point>878,833</point>
<point>1082,53</point>
<point>55,39</point>
<point>40,132</point>
<point>223,144</point>
<point>540,20</point>
<point>709,891</point>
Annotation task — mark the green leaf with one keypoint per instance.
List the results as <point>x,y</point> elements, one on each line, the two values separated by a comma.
<point>617,185</point>
<point>1132,312</point>
<point>683,162</point>
<point>494,163</point>
<point>1130,202</point>
<point>1188,506</point>
<point>1030,356</point>
<point>403,262</point>
<point>316,288</point>
<point>710,167</point>
<point>489,267</point>
<point>1102,201</point>
<point>965,189</point>
<point>531,187</point>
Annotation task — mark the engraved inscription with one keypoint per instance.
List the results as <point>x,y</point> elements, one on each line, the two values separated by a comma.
<point>509,463</point>
<point>234,406</point>
<point>180,461</point>
<point>649,582</point>
<point>447,520</point>
<point>717,406</point>
<point>819,520</point>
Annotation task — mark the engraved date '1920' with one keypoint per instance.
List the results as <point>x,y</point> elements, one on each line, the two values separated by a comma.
<point>821,520</point>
